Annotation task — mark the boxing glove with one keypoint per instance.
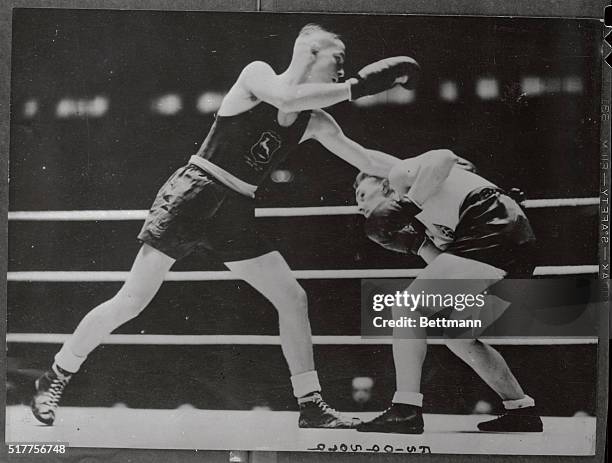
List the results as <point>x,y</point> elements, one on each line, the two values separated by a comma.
<point>384,74</point>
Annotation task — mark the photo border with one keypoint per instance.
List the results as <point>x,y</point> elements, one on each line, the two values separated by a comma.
<point>518,8</point>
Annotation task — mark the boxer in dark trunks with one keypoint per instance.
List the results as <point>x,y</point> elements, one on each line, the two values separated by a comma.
<point>208,205</point>
<point>464,227</point>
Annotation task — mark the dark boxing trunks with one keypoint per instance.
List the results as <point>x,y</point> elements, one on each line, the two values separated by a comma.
<point>194,212</point>
<point>493,229</point>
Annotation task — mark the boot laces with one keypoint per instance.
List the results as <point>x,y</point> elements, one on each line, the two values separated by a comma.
<point>56,388</point>
<point>324,407</point>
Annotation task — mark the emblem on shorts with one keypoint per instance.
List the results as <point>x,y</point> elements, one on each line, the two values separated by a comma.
<point>261,152</point>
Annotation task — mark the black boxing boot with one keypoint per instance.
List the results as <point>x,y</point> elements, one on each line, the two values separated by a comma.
<point>517,420</point>
<point>49,389</point>
<point>398,418</point>
<point>315,413</point>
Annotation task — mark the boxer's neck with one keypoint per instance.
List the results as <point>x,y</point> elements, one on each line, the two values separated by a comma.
<point>297,72</point>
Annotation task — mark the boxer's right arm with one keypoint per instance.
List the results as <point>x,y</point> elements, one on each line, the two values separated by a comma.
<point>259,79</point>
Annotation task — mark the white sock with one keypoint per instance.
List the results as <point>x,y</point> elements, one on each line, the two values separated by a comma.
<point>519,403</point>
<point>305,383</point>
<point>409,398</point>
<point>66,360</point>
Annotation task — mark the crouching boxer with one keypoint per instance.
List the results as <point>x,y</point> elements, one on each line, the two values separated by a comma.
<point>464,227</point>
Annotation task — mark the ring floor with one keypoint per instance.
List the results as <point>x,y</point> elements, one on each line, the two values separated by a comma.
<point>270,430</point>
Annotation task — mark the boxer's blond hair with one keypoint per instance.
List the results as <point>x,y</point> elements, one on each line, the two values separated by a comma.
<point>384,182</point>
<point>314,36</point>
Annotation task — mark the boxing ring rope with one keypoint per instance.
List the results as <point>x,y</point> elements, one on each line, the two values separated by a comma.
<point>265,340</point>
<point>108,276</point>
<point>89,215</point>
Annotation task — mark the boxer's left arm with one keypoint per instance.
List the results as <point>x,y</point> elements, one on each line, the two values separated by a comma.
<point>323,128</point>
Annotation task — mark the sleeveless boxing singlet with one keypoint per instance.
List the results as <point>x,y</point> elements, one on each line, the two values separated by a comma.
<point>243,149</point>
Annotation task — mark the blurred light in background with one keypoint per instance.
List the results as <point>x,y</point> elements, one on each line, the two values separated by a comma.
<point>82,107</point>
<point>66,108</point>
<point>239,456</point>
<point>167,105</point>
<point>487,88</point>
<point>449,91</point>
<point>573,84</point>
<point>186,406</point>
<point>398,95</point>
<point>281,176</point>
<point>209,102</point>
<point>362,389</point>
<point>30,108</point>
<point>532,85</point>
<point>482,407</point>
<point>261,408</point>
<point>97,107</point>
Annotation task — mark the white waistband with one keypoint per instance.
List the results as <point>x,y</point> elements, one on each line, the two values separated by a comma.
<point>224,176</point>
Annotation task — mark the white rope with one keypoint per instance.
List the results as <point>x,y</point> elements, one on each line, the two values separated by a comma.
<point>305,211</point>
<point>560,202</point>
<point>261,340</point>
<point>102,276</point>
<point>78,215</point>
<point>89,215</point>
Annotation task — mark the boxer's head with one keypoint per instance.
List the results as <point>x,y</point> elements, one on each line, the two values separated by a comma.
<point>370,191</point>
<point>321,52</point>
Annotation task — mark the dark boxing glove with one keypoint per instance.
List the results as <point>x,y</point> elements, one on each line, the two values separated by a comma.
<point>384,74</point>
<point>392,224</point>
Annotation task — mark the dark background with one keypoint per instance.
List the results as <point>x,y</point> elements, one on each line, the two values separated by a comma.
<point>547,145</point>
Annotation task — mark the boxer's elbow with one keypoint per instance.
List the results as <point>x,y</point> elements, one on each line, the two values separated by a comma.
<point>290,99</point>
<point>287,101</point>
